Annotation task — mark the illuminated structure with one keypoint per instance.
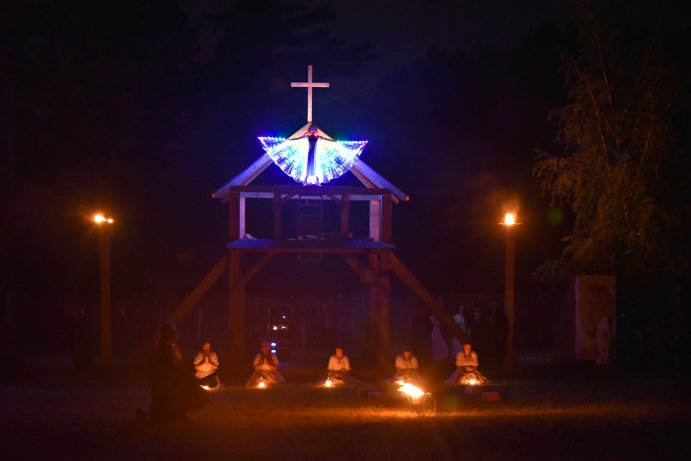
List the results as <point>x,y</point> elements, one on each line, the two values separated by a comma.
<point>312,158</point>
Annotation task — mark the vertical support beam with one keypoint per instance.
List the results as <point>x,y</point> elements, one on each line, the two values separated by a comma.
<point>345,214</point>
<point>278,226</point>
<point>372,353</point>
<point>386,218</point>
<point>106,336</point>
<point>509,296</point>
<point>384,308</point>
<point>236,310</point>
<point>375,220</point>
<point>241,210</point>
<point>236,297</point>
<point>233,216</point>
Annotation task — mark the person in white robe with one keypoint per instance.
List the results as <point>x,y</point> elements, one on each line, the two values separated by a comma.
<point>205,366</point>
<point>338,368</point>
<point>406,365</point>
<point>265,366</point>
<point>466,368</point>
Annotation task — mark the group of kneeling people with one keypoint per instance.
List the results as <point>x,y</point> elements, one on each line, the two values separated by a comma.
<point>175,392</point>
<point>266,368</point>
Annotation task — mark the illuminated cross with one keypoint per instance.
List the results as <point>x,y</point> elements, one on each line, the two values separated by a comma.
<point>309,84</point>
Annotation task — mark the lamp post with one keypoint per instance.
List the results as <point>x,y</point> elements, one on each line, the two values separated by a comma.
<point>509,286</point>
<point>103,223</point>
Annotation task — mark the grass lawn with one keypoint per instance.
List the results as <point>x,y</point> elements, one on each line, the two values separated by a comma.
<point>75,417</point>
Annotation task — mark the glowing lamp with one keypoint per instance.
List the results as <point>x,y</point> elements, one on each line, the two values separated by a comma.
<point>328,383</point>
<point>205,387</point>
<point>261,385</point>
<point>99,218</point>
<point>509,219</point>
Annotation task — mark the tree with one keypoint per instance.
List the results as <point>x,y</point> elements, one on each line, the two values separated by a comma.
<point>625,102</point>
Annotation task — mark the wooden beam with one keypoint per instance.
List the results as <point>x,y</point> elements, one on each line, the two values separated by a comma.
<point>361,168</point>
<point>245,177</point>
<point>386,219</point>
<point>365,273</point>
<point>429,300</point>
<point>375,220</point>
<point>236,310</point>
<point>233,216</point>
<point>199,291</point>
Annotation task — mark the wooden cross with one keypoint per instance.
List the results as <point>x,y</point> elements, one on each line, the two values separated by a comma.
<point>309,84</point>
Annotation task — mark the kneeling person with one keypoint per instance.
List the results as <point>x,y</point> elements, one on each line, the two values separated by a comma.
<point>338,369</point>
<point>205,366</point>
<point>406,368</point>
<point>466,368</point>
<point>265,368</point>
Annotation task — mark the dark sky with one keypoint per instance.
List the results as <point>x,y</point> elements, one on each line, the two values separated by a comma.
<point>401,32</point>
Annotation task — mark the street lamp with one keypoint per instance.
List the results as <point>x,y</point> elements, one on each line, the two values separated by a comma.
<point>509,285</point>
<point>103,224</point>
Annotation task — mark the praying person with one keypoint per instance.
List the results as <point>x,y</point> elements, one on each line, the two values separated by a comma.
<point>174,390</point>
<point>338,369</point>
<point>466,368</point>
<point>265,368</point>
<point>205,366</point>
<point>406,368</point>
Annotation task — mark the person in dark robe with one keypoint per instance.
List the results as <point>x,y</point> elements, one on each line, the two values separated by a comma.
<point>175,392</point>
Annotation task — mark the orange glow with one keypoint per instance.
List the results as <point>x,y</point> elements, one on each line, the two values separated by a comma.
<point>99,218</point>
<point>509,219</point>
<point>328,383</point>
<point>261,385</point>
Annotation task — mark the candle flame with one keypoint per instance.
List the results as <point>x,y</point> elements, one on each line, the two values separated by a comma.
<point>261,385</point>
<point>328,383</point>
<point>509,219</point>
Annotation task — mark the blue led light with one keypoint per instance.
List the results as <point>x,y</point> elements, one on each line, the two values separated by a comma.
<point>328,159</point>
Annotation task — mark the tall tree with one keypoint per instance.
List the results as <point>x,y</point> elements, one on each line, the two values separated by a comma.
<point>619,132</point>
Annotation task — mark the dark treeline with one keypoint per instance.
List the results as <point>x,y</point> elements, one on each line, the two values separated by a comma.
<point>109,106</point>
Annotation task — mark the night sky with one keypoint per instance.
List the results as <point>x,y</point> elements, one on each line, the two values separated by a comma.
<point>143,109</point>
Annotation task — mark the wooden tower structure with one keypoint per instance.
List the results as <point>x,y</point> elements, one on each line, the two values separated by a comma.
<point>372,259</point>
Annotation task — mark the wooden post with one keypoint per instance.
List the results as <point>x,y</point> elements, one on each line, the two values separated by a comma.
<point>386,218</point>
<point>241,218</point>
<point>375,220</point>
<point>106,336</point>
<point>236,310</point>
<point>233,216</point>
<point>509,294</point>
<point>236,297</point>
<point>384,308</point>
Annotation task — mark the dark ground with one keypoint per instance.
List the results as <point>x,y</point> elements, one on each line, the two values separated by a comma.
<point>581,414</point>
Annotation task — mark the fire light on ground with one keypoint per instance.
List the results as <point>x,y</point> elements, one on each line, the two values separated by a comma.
<point>328,383</point>
<point>261,385</point>
<point>412,392</point>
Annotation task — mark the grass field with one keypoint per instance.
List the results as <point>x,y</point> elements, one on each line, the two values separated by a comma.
<point>76,417</point>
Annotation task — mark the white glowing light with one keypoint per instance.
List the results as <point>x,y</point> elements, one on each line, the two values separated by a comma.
<point>411,391</point>
<point>99,218</point>
<point>261,385</point>
<point>328,383</point>
<point>205,387</point>
<point>328,160</point>
<point>509,219</point>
